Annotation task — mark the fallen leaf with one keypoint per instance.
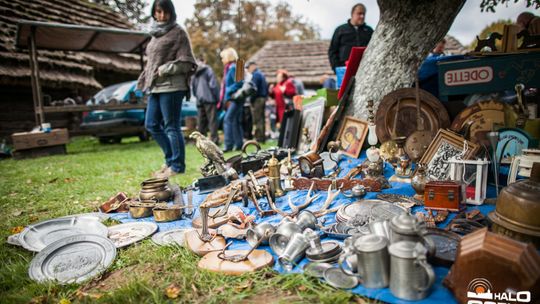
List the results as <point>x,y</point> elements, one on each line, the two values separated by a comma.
<point>64,301</point>
<point>17,213</point>
<point>13,194</point>
<point>220,289</point>
<point>241,287</point>
<point>53,180</point>
<point>28,181</point>
<point>38,300</point>
<point>172,291</point>
<point>17,229</point>
<point>302,288</point>
<point>33,218</point>
<point>194,288</point>
<point>69,180</point>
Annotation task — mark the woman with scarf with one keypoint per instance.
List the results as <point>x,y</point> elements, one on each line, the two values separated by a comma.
<point>232,124</point>
<point>170,63</point>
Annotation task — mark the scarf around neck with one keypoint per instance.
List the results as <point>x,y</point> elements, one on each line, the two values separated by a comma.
<point>159,29</point>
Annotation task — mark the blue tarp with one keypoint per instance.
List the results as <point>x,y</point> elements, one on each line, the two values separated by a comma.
<point>439,293</point>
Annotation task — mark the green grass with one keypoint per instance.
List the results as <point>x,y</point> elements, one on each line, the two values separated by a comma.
<point>39,189</point>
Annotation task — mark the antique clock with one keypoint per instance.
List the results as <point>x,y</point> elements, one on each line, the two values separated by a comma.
<point>311,165</point>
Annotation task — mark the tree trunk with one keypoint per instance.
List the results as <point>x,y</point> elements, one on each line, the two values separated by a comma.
<point>407,31</point>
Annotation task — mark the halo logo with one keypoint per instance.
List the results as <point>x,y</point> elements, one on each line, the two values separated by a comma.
<point>480,291</point>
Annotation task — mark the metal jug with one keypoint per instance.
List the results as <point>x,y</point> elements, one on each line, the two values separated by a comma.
<point>411,276</point>
<point>407,227</point>
<point>372,265</point>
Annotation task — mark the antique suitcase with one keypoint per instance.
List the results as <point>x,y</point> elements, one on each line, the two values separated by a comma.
<point>444,195</point>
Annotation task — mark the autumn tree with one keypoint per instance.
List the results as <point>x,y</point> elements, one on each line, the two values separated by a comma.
<point>243,25</point>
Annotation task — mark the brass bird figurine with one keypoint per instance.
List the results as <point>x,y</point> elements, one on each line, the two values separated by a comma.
<point>211,152</point>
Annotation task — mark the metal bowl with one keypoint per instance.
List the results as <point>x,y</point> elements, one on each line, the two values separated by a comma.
<point>141,210</point>
<point>160,195</point>
<point>167,214</point>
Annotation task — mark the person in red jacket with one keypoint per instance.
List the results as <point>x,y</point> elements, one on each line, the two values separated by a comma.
<point>282,92</point>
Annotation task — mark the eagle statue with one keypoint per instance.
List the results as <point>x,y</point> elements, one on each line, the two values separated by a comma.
<point>215,162</point>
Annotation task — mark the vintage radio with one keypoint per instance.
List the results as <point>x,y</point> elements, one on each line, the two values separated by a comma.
<point>444,195</point>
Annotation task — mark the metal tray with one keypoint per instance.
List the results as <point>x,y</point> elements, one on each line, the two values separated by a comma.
<point>73,259</point>
<point>362,207</point>
<point>38,236</point>
<point>432,112</point>
<point>169,237</point>
<point>128,233</point>
<point>386,211</point>
<point>446,244</point>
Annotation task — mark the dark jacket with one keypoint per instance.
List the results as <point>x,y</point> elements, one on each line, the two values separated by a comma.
<point>260,82</point>
<point>205,86</point>
<point>344,39</point>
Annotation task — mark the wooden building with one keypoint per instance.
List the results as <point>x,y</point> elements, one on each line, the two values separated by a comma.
<point>305,60</point>
<point>62,74</point>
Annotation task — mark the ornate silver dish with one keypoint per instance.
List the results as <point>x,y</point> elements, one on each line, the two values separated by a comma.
<point>73,259</point>
<point>128,233</point>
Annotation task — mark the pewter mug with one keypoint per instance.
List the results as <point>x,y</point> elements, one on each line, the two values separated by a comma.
<point>263,230</point>
<point>294,252</point>
<point>279,240</point>
<point>407,227</point>
<point>372,262</point>
<point>411,276</point>
<point>381,228</point>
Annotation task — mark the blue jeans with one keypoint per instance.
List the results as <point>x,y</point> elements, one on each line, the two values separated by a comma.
<point>163,116</point>
<point>232,126</point>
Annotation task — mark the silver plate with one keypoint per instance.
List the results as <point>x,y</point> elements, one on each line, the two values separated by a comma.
<point>362,207</point>
<point>14,239</point>
<point>171,236</point>
<point>338,279</point>
<point>38,236</point>
<point>99,216</point>
<point>316,269</point>
<point>128,233</point>
<point>386,211</point>
<point>73,259</point>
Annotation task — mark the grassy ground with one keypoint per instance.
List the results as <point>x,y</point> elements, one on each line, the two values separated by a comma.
<point>48,187</point>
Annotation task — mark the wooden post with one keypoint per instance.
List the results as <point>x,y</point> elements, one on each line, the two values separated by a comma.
<point>34,74</point>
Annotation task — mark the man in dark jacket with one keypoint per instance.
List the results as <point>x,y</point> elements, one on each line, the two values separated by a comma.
<point>258,101</point>
<point>205,88</point>
<point>353,33</point>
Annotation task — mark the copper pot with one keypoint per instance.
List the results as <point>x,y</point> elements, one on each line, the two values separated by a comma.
<point>167,213</point>
<point>517,214</point>
<point>160,194</point>
<point>141,210</point>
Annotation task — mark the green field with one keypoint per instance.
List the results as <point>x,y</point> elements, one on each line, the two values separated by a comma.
<point>39,189</point>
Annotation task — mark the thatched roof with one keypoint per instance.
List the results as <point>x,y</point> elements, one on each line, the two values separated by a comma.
<point>59,69</point>
<point>305,60</point>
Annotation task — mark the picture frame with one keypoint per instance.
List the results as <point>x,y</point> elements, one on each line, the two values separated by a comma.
<point>445,145</point>
<point>358,129</point>
<point>312,118</point>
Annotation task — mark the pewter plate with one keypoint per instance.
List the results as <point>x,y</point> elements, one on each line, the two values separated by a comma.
<point>170,237</point>
<point>128,233</point>
<point>73,259</point>
<point>338,279</point>
<point>386,211</point>
<point>99,216</point>
<point>38,236</point>
<point>14,239</point>
<point>316,269</point>
<point>361,207</point>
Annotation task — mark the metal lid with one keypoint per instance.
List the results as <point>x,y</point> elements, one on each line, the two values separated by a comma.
<point>404,223</point>
<point>339,279</point>
<point>126,234</point>
<point>370,243</point>
<point>407,250</point>
<point>169,237</point>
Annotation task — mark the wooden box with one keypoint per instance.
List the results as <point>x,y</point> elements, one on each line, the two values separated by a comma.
<point>29,140</point>
<point>444,195</point>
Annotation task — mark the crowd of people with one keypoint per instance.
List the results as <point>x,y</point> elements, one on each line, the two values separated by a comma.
<point>253,108</point>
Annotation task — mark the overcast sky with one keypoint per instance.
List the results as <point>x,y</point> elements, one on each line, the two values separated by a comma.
<point>329,14</point>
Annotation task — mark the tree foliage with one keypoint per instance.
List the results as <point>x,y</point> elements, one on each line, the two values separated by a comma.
<point>134,10</point>
<point>489,5</point>
<point>244,26</point>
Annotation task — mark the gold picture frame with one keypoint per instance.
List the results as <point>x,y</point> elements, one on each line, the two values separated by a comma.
<point>358,129</point>
<point>446,144</point>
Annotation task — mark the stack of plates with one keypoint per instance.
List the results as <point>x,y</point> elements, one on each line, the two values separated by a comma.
<point>38,236</point>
